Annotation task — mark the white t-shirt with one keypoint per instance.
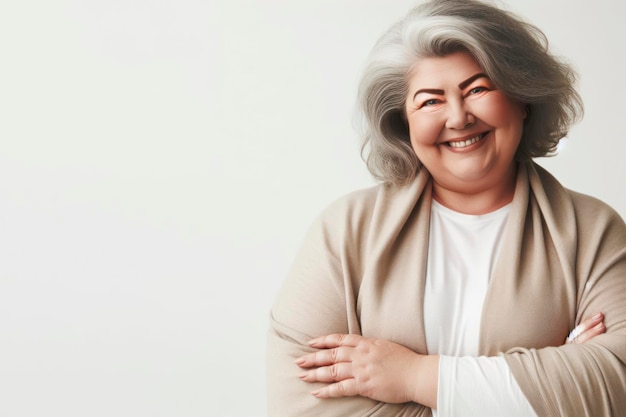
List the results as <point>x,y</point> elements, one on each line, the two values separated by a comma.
<point>462,252</point>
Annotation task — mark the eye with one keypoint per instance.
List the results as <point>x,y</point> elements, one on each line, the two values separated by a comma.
<point>430,102</point>
<point>476,90</point>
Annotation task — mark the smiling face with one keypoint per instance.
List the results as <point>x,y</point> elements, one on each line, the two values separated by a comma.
<point>463,129</point>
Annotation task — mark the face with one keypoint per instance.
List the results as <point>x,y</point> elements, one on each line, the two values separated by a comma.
<point>462,128</point>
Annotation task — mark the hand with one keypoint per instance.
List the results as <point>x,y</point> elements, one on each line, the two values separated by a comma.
<point>587,330</point>
<point>373,368</point>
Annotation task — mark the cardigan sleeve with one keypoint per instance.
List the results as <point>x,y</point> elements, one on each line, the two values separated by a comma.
<point>316,299</point>
<point>585,379</point>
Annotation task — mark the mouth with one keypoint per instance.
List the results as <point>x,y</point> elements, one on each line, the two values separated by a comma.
<point>467,142</point>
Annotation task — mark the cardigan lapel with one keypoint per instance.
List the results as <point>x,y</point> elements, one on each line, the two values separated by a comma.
<point>396,265</point>
<point>531,297</point>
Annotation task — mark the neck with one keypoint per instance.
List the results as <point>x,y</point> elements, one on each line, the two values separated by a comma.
<point>476,200</point>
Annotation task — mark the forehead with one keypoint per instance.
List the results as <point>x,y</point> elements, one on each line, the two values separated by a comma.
<point>437,72</point>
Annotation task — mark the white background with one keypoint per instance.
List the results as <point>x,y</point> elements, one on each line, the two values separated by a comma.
<point>160,162</point>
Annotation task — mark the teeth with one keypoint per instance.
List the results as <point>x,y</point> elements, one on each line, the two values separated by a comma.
<point>464,143</point>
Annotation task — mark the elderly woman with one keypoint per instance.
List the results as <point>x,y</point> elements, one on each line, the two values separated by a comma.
<point>451,287</point>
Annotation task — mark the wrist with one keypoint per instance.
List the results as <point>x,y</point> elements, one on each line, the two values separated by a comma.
<point>426,378</point>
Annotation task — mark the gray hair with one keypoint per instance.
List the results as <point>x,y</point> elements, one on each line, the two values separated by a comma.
<point>513,53</point>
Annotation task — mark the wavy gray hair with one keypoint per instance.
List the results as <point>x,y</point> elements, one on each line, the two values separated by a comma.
<point>513,53</point>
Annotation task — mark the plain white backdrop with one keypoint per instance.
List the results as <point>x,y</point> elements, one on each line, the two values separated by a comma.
<point>160,162</point>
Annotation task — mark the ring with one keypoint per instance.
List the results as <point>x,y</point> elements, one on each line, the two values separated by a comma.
<point>573,335</point>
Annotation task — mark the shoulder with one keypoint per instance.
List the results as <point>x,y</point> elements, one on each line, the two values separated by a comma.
<point>383,203</point>
<point>596,220</point>
<point>586,207</point>
<point>592,206</point>
<point>359,202</point>
<point>372,211</point>
<point>351,215</point>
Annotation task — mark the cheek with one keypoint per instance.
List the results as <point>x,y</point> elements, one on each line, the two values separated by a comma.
<point>424,130</point>
<point>498,111</point>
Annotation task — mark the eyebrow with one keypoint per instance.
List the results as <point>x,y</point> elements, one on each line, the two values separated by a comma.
<point>462,85</point>
<point>472,79</point>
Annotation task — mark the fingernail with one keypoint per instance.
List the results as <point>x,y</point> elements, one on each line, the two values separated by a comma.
<point>313,342</point>
<point>300,361</point>
<point>597,316</point>
<point>302,375</point>
<point>599,326</point>
<point>316,393</point>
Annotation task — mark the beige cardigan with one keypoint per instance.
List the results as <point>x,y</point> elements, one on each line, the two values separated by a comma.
<point>362,267</point>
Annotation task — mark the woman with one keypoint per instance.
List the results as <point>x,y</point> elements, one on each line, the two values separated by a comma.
<point>451,287</point>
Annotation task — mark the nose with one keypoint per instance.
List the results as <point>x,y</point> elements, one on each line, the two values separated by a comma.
<point>458,116</point>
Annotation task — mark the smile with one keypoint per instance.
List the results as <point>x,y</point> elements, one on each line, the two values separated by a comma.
<point>467,142</point>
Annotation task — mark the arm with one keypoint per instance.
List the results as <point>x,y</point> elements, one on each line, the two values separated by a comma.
<point>486,386</point>
<point>481,386</point>
<point>316,299</point>
<point>589,379</point>
<point>352,365</point>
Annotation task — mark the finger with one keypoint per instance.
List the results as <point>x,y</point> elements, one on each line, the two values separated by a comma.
<point>335,340</point>
<point>587,324</point>
<point>333,373</point>
<point>591,322</point>
<point>324,357</point>
<point>591,333</point>
<point>345,388</point>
